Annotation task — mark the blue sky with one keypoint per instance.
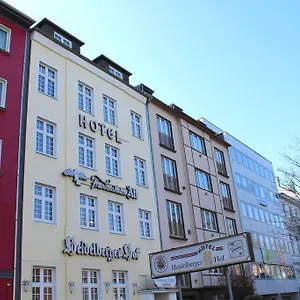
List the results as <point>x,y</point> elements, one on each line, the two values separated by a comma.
<point>236,63</point>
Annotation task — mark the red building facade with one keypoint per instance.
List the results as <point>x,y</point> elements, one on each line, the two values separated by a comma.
<point>13,32</point>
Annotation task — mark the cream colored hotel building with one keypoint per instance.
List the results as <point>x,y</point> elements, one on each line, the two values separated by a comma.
<point>89,219</point>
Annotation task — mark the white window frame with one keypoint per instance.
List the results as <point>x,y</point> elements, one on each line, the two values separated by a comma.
<point>144,223</point>
<point>165,135</point>
<point>85,97</point>
<point>89,285</point>
<point>110,159</point>
<point>140,172</point>
<point>42,284</point>
<point>205,180</point>
<point>170,176</point>
<point>174,212</point>
<point>206,215</point>
<point>46,79</point>
<point>85,151</point>
<point>8,37</point>
<point>226,195</point>
<point>45,135</point>
<point>117,286</point>
<point>3,92</point>
<point>62,39</point>
<point>136,126</point>
<point>43,200</point>
<point>114,215</point>
<point>108,109</point>
<point>197,143</point>
<point>115,72</point>
<point>87,208</point>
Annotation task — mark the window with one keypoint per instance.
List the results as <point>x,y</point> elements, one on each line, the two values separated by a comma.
<point>250,211</point>
<point>112,161</point>
<point>261,241</point>
<point>42,283</point>
<point>176,228</point>
<point>115,217</point>
<point>184,280</point>
<point>203,180</point>
<point>88,210</point>
<point>209,220</point>
<point>109,110</point>
<point>119,285</point>
<point>261,215</point>
<point>45,137</point>
<point>244,209</point>
<point>255,211</point>
<point>255,271</point>
<point>86,151</point>
<point>165,133</point>
<point>4,38</point>
<point>255,241</point>
<point>169,174</point>
<point>231,226</point>
<point>136,124</point>
<point>3,85</point>
<point>145,223</point>
<point>115,72</point>
<point>62,39</point>
<point>261,271</point>
<point>90,285</point>
<point>226,195</point>
<point>44,203</point>
<point>140,171</point>
<point>197,143</point>
<point>85,95</point>
<point>221,167</point>
<point>47,80</point>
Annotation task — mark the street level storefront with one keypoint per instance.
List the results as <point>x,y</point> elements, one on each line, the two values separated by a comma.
<point>89,218</point>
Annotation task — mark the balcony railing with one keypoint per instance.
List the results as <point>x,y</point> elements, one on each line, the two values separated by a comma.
<point>171,183</point>
<point>221,169</point>
<point>166,140</point>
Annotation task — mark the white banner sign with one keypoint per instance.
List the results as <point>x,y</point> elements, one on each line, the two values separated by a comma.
<point>211,254</point>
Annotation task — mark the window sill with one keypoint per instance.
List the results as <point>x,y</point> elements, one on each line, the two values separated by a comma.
<point>2,108</point>
<point>44,222</point>
<point>224,175</point>
<point>168,148</point>
<point>229,209</point>
<point>203,189</point>
<point>118,233</point>
<point>112,124</point>
<point>54,98</point>
<point>114,176</point>
<point>89,228</point>
<point>178,238</point>
<point>147,238</point>
<point>86,112</point>
<point>47,155</point>
<point>4,52</point>
<point>143,186</point>
<point>173,191</point>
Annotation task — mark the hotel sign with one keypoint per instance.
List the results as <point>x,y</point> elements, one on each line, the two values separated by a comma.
<point>94,126</point>
<point>211,254</point>
<point>97,183</point>
<point>82,248</point>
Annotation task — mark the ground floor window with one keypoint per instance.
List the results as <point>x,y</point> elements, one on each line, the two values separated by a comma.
<point>90,284</point>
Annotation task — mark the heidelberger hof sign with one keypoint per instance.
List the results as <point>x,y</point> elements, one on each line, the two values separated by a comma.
<point>82,248</point>
<point>97,183</point>
<point>211,254</point>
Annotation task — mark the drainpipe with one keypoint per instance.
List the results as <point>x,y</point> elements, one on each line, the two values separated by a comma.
<point>20,172</point>
<point>149,97</point>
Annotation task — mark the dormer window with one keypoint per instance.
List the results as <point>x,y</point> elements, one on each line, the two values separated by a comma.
<point>115,72</point>
<point>62,39</point>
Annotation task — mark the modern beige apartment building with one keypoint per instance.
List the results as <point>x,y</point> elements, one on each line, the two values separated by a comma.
<point>89,218</point>
<point>195,192</point>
